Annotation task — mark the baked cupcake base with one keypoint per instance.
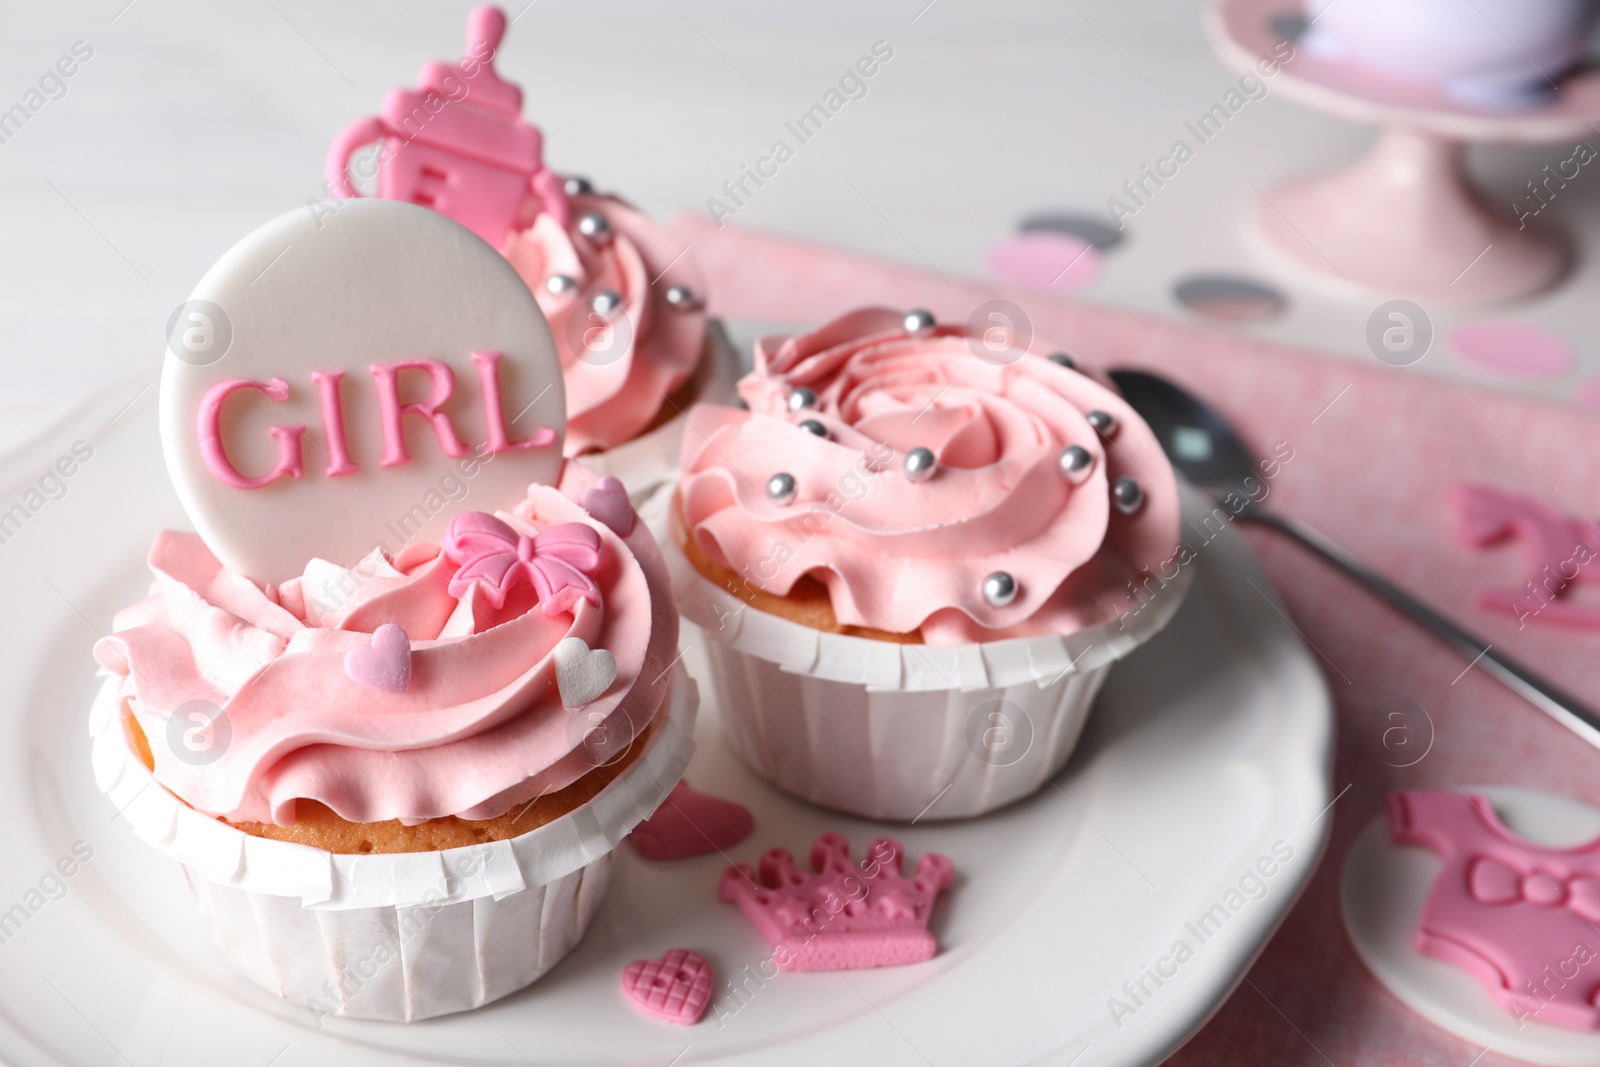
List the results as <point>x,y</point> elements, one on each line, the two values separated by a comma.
<point>406,935</point>
<point>897,729</point>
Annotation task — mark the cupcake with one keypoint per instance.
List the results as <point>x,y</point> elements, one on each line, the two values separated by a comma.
<point>625,302</point>
<point>915,562</point>
<point>384,806</point>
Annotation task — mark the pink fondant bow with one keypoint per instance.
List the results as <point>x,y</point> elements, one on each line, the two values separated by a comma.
<point>1492,882</point>
<point>559,562</point>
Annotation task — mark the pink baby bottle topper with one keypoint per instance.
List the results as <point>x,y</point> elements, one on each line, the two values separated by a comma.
<point>457,143</point>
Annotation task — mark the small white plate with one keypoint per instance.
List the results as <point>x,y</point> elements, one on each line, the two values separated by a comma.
<point>1209,749</point>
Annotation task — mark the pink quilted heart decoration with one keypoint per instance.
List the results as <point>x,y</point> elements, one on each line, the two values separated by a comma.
<point>384,665</point>
<point>675,988</point>
<point>691,824</point>
<point>608,502</point>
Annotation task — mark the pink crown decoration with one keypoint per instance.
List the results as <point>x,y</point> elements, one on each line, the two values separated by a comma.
<point>839,916</point>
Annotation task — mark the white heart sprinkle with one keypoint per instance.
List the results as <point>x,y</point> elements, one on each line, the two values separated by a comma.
<point>582,675</point>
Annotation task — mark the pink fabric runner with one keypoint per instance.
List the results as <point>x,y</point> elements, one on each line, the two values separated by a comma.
<point>1377,450</point>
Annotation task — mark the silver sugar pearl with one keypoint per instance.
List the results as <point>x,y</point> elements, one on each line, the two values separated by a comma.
<point>1061,359</point>
<point>999,589</point>
<point>781,488</point>
<point>681,297</point>
<point>1074,463</point>
<point>802,399</point>
<point>594,226</point>
<point>576,186</point>
<point>604,303</point>
<point>1105,425</point>
<point>1127,495</point>
<point>560,284</point>
<point>918,322</point>
<point>921,464</point>
<point>812,426</point>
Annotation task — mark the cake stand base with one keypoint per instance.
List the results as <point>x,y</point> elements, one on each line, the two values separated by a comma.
<point>1406,220</point>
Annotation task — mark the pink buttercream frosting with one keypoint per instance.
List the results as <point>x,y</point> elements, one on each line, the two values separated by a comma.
<point>480,727</point>
<point>618,384</point>
<point>901,555</point>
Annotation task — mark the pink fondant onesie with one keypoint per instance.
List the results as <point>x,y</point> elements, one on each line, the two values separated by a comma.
<point>1523,919</point>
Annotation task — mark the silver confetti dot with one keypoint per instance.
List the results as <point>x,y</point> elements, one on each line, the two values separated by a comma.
<point>921,464</point>
<point>560,284</point>
<point>781,488</point>
<point>802,399</point>
<point>682,297</point>
<point>999,589</point>
<point>1075,462</point>
<point>576,186</point>
<point>1103,422</point>
<point>812,426</point>
<point>919,322</point>
<point>1127,495</point>
<point>1061,359</point>
<point>606,302</point>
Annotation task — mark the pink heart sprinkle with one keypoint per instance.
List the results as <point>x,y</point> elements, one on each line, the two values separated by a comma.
<point>608,501</point>
<point>675,988</point>
<point>690,824</point>
<point>384,665</point>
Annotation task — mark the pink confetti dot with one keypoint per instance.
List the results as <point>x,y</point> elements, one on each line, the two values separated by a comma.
<point>1044,261</point>
<point>1513,349</point>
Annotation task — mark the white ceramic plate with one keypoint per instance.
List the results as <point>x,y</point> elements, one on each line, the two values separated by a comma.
<point>1209,747</point>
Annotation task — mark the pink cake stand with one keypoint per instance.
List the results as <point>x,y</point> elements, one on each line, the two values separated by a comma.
<point>1406,220</point>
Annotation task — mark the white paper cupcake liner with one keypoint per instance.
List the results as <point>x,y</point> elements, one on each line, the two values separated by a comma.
<point>401,963</point>
<point>398,936</point>
<point>650,460</point>
<point>891,731</point>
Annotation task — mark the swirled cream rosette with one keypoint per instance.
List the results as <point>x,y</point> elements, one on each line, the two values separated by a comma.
<point>361,841</point>
<point>916,563</point>
<point>626,306</point>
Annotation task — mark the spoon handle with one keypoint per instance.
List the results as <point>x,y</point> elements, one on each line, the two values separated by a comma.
<point>1561,706</point>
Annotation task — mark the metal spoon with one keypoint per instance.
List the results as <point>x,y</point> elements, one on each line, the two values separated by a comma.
<point>1206,450</point>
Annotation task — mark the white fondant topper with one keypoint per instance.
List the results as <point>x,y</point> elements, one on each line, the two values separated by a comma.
<point>382,369</point>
